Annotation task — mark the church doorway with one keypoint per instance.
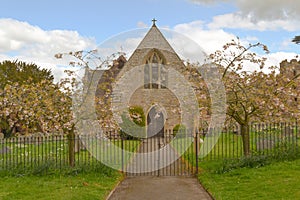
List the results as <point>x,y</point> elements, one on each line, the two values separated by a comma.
<point>155,122</point>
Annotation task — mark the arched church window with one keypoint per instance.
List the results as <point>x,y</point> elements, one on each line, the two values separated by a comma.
<point>155,74</point>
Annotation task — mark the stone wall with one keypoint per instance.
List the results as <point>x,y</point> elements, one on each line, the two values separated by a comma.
<point>291,68</point>
<point>147,98</point>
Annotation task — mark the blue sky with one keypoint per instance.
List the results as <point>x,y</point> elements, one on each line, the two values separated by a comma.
<point>101,19</point>
<point>34,30</point>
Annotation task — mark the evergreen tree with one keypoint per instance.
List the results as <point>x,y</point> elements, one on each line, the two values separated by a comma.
<point>20,72</point>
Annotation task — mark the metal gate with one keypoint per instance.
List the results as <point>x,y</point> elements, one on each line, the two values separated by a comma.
<point>167,155</point>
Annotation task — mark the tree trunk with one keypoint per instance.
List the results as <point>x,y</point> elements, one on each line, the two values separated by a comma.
<point>245,132</point>
<point>71,142</point>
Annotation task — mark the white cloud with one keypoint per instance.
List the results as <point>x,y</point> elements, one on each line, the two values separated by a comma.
<point>141,24</point>
<point>214,39</point>
<point>208,2</point>
<point>124,42</point>
<point>22,41</point>
<point>19,36</point>
<point>39,46</point>
<point>15,35</point>
<point>209,40</point>
<point>267,9</point>
<point>237,20</point>
<point>270,9</point>
<point>250,39</point>
<point>284,44</point>
<point>258,14</point>
<point>274,59</point>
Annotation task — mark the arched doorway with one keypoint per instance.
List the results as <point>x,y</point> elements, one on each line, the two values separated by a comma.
<point>155,122</point>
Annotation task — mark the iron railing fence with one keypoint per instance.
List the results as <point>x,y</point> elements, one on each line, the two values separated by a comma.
<point>31,152</point>
<point>264,139</point>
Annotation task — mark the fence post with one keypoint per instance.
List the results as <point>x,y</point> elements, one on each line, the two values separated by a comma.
<point>71,142</point>
<point>196,145</point>
<point>122,156</point>
<point>297,135</point>
<point>158,157</point>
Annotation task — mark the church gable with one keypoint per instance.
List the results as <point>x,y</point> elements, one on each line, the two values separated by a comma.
<point>154,43</point>
<point>151,60</point>
<point>155,39</point>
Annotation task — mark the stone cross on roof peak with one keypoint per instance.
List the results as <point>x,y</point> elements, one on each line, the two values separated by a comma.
<point>153,22</point>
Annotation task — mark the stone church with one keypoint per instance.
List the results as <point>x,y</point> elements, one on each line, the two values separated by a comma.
<point>158,81</point>
<point>158,92</point>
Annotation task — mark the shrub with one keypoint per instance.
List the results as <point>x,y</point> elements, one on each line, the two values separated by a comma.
<point>137,115</point>
<point>49,168</point>
<point>250,162</point>
<point>179,130</point>
<point>282,152</point>
<point>134,123</point>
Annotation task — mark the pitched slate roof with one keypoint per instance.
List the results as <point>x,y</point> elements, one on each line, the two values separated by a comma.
<point>155,39</point>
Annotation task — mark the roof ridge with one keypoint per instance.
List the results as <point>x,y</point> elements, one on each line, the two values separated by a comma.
<point>155,39</point>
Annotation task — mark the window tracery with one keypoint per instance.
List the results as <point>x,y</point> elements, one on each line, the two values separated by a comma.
<point>155,74</point>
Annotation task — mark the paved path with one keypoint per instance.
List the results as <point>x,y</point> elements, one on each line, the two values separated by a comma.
<point>164,188</point>
<point>150,186</point>
<point>151,162</point>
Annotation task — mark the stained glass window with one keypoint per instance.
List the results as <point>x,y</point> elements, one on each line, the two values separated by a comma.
<point>155,73</point>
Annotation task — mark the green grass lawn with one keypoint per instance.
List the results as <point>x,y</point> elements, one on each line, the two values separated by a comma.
<point>82,186</point>
<point>39,172</point>
<point>279,180</point>
<point>56,151</point>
